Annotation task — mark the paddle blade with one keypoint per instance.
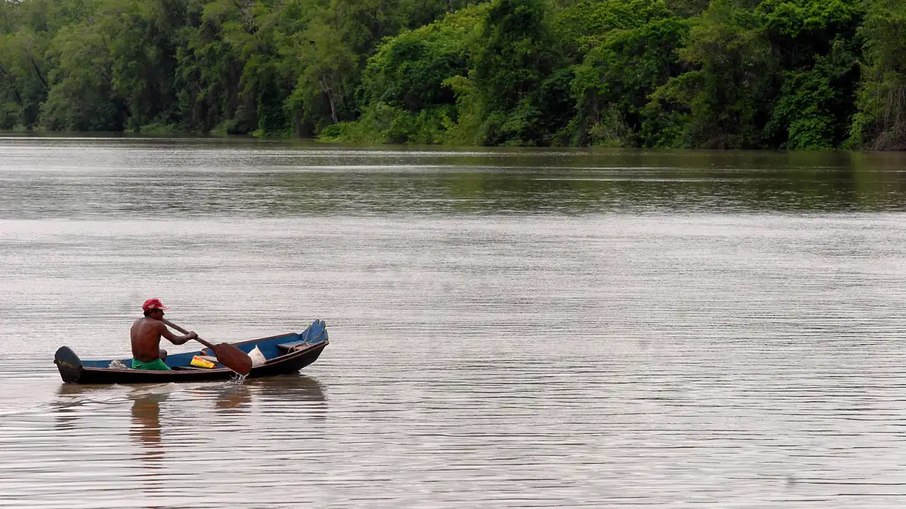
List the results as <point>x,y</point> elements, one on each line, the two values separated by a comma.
<point>233,358</point>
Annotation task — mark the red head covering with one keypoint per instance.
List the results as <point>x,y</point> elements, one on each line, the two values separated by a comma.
<point>153,304</point>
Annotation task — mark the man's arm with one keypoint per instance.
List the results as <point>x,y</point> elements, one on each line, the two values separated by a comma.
<point>173,338</point>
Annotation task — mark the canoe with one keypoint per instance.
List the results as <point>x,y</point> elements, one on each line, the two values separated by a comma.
<point>286,353</point>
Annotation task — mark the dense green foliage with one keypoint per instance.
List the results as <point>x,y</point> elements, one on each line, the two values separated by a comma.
<point>636,73</point>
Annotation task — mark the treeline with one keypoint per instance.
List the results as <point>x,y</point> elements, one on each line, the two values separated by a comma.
<point>636,73</point>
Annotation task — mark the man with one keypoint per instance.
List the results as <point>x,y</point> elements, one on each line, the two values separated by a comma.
<point>146,333</point>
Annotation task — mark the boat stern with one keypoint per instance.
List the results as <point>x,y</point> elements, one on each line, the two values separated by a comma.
<point>69,364</point>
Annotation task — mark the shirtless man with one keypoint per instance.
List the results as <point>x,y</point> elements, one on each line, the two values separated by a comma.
<point>146,334</point>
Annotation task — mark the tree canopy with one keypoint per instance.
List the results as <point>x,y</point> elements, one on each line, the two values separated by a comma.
<point>787,74</point>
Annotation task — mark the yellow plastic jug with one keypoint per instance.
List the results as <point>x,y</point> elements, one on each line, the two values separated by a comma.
<point>201,362</point>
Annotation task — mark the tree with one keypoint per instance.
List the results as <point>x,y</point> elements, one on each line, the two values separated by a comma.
<point>23,78</point>
<point>725,96</point>
<point>208,70</point>
<point>614,82</point>
<point>881,121</point>
<point>515,74</point>
<point>81,96</point>
<point>142,37</point>
<point>26,30</point>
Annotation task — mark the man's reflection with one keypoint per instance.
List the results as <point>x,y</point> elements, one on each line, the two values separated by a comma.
<point>146,422</point>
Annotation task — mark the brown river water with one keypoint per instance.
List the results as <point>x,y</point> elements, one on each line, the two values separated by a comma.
<point>508,327</point>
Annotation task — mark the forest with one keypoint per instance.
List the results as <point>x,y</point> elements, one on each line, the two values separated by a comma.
<point>714,74</point>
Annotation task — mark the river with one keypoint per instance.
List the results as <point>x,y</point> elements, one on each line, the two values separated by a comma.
<point>508,327</point>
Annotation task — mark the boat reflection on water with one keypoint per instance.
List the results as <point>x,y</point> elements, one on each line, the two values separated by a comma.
<point>72,402</point>
<point>233,396</point>
<point>163,416</point>
<point>291,396</point>
<point>293,387</point>
<point>285,389</point>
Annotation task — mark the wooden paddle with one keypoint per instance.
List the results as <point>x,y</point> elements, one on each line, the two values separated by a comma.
<point>226,354</point>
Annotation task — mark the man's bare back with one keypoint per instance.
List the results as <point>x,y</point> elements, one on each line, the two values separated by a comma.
<point>147,331</point>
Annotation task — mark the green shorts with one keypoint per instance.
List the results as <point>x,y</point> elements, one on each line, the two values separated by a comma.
<point>156,364</point>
